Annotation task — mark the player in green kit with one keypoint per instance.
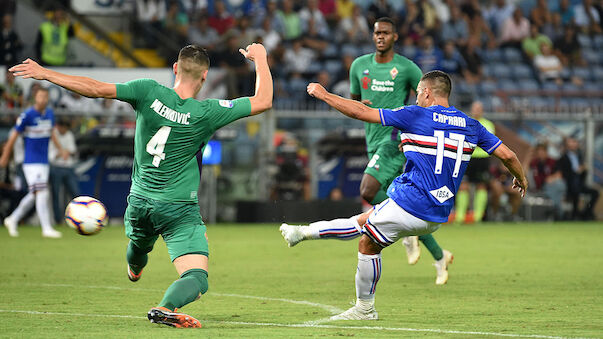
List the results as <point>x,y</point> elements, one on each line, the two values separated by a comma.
<point>171,128</point>
<point>382,79</point>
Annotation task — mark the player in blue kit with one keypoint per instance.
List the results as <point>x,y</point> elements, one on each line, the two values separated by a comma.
<point>437,140</point>
<point>36,125</point>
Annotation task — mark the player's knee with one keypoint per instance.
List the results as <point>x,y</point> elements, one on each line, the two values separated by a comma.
<point>367,193</point>
<point>367,246</point>
<point>200,276</point>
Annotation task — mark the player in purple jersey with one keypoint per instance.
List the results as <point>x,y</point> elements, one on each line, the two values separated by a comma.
<point>36,126</point>
<point>437,140</point>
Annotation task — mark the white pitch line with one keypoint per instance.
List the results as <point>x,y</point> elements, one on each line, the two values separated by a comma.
<point>373,328</point>
<point>328,308</point>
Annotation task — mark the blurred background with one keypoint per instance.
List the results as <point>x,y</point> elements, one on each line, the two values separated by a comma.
<point>535,66</point>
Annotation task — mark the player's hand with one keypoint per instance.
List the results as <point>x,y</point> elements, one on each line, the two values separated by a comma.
<point>254,51</point>
<point>64,154</point>
<point>29,69</point>
<point>366,102</point>
<point>316,90</point>
<point>520,185</point>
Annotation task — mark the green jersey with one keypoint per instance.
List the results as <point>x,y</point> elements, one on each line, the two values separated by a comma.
<point>386,85</point>
<point>170,132</point>
<point>489,125</point>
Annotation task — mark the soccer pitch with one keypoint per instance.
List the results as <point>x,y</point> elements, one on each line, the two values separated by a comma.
<point>514,280</point>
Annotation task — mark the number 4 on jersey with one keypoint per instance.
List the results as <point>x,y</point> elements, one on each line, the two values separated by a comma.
<point>156,145</point>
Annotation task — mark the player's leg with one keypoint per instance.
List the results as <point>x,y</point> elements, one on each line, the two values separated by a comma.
<point>462,202</point>
<point>442,257</point>
<point>55,188</point>
<point>13,219</point>
<point>342,229</point>
<point>385,164</point>
<point>480,198</point>
<point>40,174</point>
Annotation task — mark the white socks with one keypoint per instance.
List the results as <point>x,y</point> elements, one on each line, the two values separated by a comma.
<point>43,210</point>
<point>24,206</point>
<point>342,229</point>
<point>367,276</point>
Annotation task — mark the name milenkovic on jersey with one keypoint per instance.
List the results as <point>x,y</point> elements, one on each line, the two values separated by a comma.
<point>169,113</point>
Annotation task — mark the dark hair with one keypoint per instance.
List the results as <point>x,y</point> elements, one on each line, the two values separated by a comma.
<point>196,54</point>
<point>440,82</point>
<point>388,20</point>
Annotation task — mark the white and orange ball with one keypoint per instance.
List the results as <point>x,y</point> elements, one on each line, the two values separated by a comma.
<point>86,215</point>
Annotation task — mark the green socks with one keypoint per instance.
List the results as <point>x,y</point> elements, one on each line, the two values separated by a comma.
<point>186,289</point>
<point>480,202</point>
<point>432,245</point>
<point>379,197</point>
<point>462,202</point>
<point>137,257</point>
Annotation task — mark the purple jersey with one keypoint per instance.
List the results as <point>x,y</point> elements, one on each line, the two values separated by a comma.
<point>36,129</point>
<point>438,143</point>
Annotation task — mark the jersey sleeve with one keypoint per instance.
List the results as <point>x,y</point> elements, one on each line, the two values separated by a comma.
<point>486,140</point>
<point>415,75</point>
<point>223,112</point>
<point>400,117</point>
<point>354,82</point>
<point>133,91</point>
<point>21,122</point>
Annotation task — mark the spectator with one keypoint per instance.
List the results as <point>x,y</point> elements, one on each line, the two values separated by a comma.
<point>342,84</point>
<point>329,11</point>
<point>53,37</point>
<point>381,8</point>
<point>568,48</point>
<point>193,7</point>
<point>587,18</point>
<point>453,62</point>
<point>574,172</point>
<point>548,179</point>
<point>12,92</point>
<point>429,57</point>
<point>314,39</point>
<point>344,8</point>
<point>311,13</point>
<point>455,29</point>
<point>532,45</point>
<point>355,29</point>
<point>246,35</point>
<point>515,29</point>
<point>298,58</point>
<point>541,15</point>
<point>175,23</point>
<point>497,14</point>
<point>413,23</point>
<point>10,44</point>
<point>238,75</point>
<point>442,10</point>
<point>566,11</point>
<point>256,9</point>
<point>291,21</point>
<point>202,34</point>
<point>150,15</point>
<point>548,65</point>
<point>270,37</point>
<point>221,20</point>
<point>429,15</point>
<point>62,172</point>
<point>408,48</point>
<point>479,28</point>
<point>500,184</point>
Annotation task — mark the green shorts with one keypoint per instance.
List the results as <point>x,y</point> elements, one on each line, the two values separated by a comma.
<point>179,224</point>
<point>386,163</point>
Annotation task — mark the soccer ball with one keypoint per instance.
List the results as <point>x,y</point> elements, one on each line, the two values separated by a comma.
<point>86,215</point>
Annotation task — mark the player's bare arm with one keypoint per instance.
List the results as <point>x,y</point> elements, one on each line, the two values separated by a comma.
<point>82,85</point>
<point>8,148</point>
<point>262,100</point>
<point>63,153</point>
<point>511,162</point>
<point>349,107</point>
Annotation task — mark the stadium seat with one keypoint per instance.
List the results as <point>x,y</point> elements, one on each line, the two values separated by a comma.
<point>598,73</point>
<point>570,87</point>
<point>314,67</point>
<point>333,67</point>
<point>512,55</point>
<point>507,85</point>
<point>501,71</point>
<point>591,56</point>
<point>493,55</point>
<point>550,86</point>
<point>528,85</point>
<point>331,52</point>
<point>351,50</point>
<point>487,88</point>
<point>522,71</point>
<point>598,41</point>
<point>581,72</point>
<point>592,86</point>
<point>584,40</point>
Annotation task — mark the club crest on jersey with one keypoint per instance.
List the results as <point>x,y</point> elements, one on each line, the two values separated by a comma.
<point>366,72</point>
<point>442,194</point>
<point>393,72</point>
<point>365,82</point>
<point>225,103</point>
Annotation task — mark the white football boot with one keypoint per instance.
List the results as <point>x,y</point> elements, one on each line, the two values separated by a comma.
<point>292,234</point>
<point>413,251</point>
<point>52,233</point>
<point>357,313</point>
<point>11,226</point>
<point>442,267</point>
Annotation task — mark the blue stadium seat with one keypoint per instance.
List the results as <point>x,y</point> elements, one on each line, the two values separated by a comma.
<point>368,48</point>
<point>598,40</point>
<point>486,88</point>
<point>598,73</point>
<point>522,71</point>
<point>314,67</point>
<point>592,86</point>
<point>570,87</point>
<point>501,71</point>
<point>507,85</point>
<point>512,55</point>
<point>581,72</point>
<point>351,50</point>
<point>493,55</point>
<point>550,86</point>
<point>591,56</point>
<point>584,40</point>
<point>331,51</point>
<point>333,67</point>
<point>488,72</point>
<point>528,85</point>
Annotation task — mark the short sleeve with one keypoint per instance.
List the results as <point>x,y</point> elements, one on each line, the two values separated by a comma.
<point>486,140</point>
<point>354,82</point>
<point>397,117</point>
<point>415,75</point>
<point>21,122</point>
<point>223,112</point>
<point>133,91</point>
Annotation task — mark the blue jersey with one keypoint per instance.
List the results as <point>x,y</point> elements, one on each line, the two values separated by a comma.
<point>36,129</point>
<point>438,143</point>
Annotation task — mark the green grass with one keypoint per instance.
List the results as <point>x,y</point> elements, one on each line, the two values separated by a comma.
<point>521,279</point>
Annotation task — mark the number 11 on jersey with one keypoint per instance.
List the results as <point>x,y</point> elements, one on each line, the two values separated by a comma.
<point>156,145</point>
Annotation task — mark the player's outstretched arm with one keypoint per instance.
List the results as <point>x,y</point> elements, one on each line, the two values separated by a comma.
<point>349,107</point>
<point>262,100</point>
<point>8,148</point>
<point>82,85</point>
<point>509,159</point>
